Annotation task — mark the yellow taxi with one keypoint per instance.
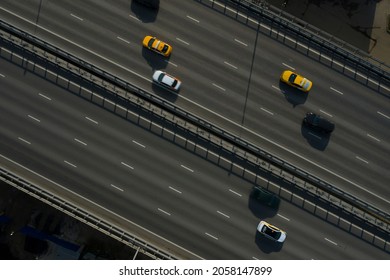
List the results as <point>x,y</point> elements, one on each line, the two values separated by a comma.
<point>156,45</point>
<point>295,80</point>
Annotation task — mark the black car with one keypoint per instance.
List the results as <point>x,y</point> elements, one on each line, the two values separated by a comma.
<point>265,197</point>
<point>318,123</point>
<point>149,3</point>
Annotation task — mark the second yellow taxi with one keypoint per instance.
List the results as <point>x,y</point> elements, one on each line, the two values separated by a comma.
<point>295,80</point>
<point>156,45</point>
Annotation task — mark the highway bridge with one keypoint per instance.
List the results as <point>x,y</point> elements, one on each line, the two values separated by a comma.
<point>230,75</point>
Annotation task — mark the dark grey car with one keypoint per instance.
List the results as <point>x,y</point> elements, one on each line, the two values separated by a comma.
<point>318,123</point>
<point>149,3</point>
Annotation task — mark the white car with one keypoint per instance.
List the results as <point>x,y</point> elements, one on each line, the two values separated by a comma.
<point>166,80</point>
<point>271,232</point>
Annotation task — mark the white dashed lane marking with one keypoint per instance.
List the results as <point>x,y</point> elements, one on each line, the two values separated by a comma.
<point>288,66</point>
<point>71,164</point>
<point>384,115</point>
<point>123,40</point>
<point>34,118</point>
<point>194,19</point>
<point>91,120</point>
<point>376,139</point>
<point>339,92</point>
<point>172,188</point>
<point>24,140</point>
<point>128,166</point>
<point>139,144</point>
<point>79,141</point>
<point>236,193</point>
<point>363,160</point>
<point>240,42</point>
<point>44,96</point>
<point>334,243</point>
<point>223,214</point>
<point>79,18</point>
<point>212,236</point>
<point>187,168</point>
<point>219,87</point>
<point>231,65</point>
<point>116,187</point>
<point>165,212</point>
<point>181,40</point>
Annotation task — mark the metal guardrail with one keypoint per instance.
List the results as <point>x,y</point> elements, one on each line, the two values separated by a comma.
<point>315,36</point>
<point>374,213</point>
<point>83,216</point>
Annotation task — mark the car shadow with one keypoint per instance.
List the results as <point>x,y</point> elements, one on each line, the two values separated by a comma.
<point>162,92</point>
<point>143,13</point>
<point>266,245</point>
<point>315,139</point>
<point>260,211</point>
<point>154,60</point>
<point>293,95</point>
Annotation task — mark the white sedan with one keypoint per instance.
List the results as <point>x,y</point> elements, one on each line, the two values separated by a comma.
<point>166,80</point>
<point>271,232</point>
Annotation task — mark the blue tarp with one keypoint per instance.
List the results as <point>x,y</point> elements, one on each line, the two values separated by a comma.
<point>44,236</point>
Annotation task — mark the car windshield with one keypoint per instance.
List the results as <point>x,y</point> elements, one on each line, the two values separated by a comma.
<point>292,77</point>
<point>270,232</point>
<point>150,43</point>
<point>165,48</point>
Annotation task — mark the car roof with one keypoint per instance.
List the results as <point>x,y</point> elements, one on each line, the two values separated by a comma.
<point>265,197</point>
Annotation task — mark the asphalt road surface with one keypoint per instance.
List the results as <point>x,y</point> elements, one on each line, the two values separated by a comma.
<point>151,181</point>
<point>230,76</point>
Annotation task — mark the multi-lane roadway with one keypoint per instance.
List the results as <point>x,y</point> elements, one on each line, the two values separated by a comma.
<point>230,76</point>
<point>151,181</point>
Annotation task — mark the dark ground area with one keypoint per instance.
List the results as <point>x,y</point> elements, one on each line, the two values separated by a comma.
<point>30,229</point>
<point>360,23</point>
